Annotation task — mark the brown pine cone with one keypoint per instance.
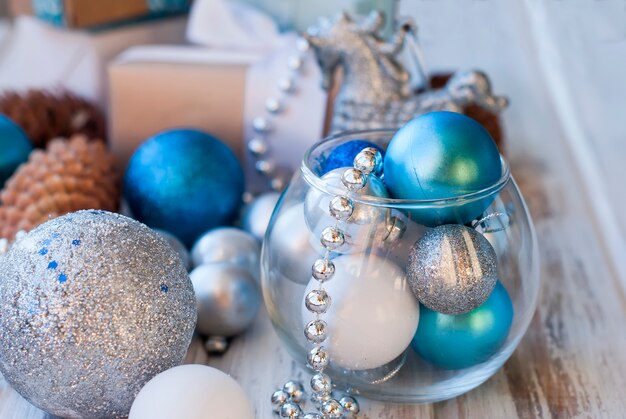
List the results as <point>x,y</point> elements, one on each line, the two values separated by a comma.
<point>68,176</point>
<point>44,115</point>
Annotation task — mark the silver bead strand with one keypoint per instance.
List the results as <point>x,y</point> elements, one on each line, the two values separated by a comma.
<point>318,301</point>
<point>258,146</point>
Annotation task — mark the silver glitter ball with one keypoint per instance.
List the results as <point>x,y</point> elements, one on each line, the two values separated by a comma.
<point>279,398</point>
<point>323,270</point>
<point>316,331</point>
<point>290,410</point>
<point>318,358</point>
<point>93,306</point>
<point>312,416</point>
<point>231,245</point>
<point>332,409</point>
<point>332,238</point>
<point>257,214</point>
<point>317,301</point>
<point>321,383</point>
<point>228,298</point>
<point>452,269</point>
<point>178,247</point>
<point>364,224</point>
<point>350,405</point>
<point>295,390</point>
<point>354,179</point>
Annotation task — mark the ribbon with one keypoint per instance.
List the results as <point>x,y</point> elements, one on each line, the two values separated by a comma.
<point>233,26</point>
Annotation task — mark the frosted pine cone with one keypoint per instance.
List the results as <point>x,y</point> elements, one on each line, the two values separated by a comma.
<point>68,176</point>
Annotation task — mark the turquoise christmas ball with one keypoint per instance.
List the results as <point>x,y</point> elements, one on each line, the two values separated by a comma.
<point>343,155</point>
<point>14,148</point>
<point>461,341</point>
<point>442,155</point>
<point>184,181</point>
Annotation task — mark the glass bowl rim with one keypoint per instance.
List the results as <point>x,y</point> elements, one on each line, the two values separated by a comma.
<point>317,182</point>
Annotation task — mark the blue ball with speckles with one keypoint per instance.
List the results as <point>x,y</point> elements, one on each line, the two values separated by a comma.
<point>343,155</point>
<point>184,181</point>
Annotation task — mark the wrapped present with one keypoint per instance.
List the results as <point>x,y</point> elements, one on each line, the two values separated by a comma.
<point>154,88</point>
<point>222,86</point>
<point>93,13</point>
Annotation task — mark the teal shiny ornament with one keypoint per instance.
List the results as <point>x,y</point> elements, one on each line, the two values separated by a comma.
<point>464,340</point>
<point>442,155</point>
<point>14,148</point>
<point>184,181</point>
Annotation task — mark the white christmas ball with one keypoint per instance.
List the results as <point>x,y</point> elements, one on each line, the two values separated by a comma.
<point>366,222</point>
<point>295,247</point>
<point>257,214</point>
<point>373,314</point>
<point>191,392</point>
<point>228,244</point>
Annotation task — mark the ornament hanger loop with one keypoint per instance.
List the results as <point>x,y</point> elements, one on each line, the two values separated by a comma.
<point>503,217</point>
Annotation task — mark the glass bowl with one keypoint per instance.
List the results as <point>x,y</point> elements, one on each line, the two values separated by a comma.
<point>373,315</point>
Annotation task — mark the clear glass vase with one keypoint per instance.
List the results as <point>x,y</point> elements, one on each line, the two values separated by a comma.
<point>373,361</point>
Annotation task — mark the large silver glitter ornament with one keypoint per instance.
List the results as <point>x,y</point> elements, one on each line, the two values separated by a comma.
<point>178,247</point>
<point>375,91</point>
<point>231,245</point>
<point>93,305</point>
<point>257,214</point>
<point>365,221</point>
<point>228,298</point>
<point>452,269</point>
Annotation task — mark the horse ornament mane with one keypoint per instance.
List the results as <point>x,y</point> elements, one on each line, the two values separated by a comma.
<point>376,90</point>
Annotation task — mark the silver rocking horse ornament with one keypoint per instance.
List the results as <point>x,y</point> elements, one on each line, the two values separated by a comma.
<point>376,90</point>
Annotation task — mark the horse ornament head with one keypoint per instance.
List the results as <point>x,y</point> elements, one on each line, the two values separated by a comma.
<point>375,91</point>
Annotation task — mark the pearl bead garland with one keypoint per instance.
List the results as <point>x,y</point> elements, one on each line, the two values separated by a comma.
<point>258,145</point>
<point>318,302</point>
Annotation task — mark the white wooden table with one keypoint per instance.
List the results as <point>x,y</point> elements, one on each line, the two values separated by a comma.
<point>563,64</point>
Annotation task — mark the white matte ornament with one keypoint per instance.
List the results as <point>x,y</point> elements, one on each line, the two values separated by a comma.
<point>191,392</point>
<point>228,244</point>
<point>374,314</point>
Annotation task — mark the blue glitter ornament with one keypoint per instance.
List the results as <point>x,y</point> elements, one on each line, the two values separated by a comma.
<point>344,154</point>
<point>442,155</point>
<point>184,181</point>
<point>461,341</point>
<point>14,148</point>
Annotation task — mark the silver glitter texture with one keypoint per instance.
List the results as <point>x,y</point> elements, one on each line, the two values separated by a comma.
<point>452,269</point>
<point>375,91</point>
<point>93,305</point>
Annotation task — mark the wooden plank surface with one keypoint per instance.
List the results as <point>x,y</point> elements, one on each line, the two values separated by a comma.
<point>560,63</point>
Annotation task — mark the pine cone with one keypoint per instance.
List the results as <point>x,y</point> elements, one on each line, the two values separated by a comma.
<point>44,115</point>
<point>68,176</point>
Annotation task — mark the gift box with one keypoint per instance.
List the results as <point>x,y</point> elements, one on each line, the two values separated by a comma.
<point>154,88</point>
<point>91,13</point>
